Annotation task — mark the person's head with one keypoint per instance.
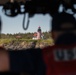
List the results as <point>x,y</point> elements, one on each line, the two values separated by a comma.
<point>63,26</point>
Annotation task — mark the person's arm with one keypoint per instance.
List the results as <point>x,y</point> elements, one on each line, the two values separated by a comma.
<point>4,60</point>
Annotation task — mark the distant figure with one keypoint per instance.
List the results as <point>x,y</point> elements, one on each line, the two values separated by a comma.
<point>39,33</point>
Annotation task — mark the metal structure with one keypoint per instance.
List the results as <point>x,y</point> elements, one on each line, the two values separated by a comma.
<point>39,6</point>
<point>12,8</point>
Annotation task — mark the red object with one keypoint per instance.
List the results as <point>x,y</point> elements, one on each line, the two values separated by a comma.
<point>60,60</point>
<point>35,34</point>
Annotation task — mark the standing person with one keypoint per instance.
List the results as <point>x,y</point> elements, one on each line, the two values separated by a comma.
<point>59,59</point>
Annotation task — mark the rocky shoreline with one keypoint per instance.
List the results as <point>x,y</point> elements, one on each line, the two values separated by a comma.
<point>24,45</point>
